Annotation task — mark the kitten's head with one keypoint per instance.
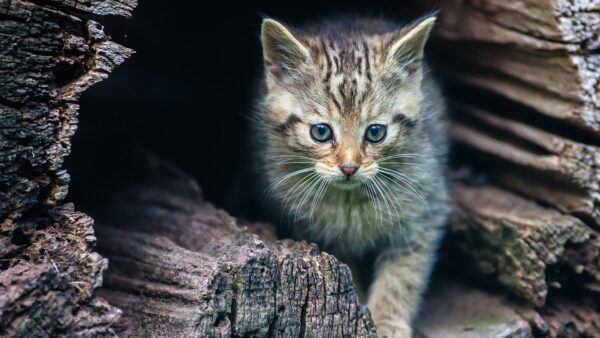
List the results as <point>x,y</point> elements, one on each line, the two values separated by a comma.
<point>341,98</point>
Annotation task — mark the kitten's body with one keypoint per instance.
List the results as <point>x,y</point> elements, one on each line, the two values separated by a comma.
<point>350,75</point>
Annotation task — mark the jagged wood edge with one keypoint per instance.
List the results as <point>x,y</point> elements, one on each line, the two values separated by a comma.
<point>181,267</point>
<point>48,268</point>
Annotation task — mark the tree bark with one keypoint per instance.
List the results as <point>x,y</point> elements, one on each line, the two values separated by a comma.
<point>48,269</point>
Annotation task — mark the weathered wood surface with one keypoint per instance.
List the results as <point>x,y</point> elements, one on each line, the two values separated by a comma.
<point>543,54</point>
<point>48,269</point>
<point>566,172</point>
<point>513,238</point>
<point>48,286</point>
<point>47,59</point>
<point>455,310</point>
<point>181,267</point>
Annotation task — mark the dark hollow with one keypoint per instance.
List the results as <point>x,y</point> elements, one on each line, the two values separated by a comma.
<point>184,95</point>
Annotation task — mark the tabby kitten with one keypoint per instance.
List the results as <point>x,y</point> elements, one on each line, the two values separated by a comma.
<point>354,135</point>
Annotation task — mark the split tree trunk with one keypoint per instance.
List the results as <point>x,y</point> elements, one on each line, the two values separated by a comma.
<point>526,198</point>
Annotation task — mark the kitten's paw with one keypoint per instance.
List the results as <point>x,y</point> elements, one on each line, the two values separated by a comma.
<point>393,330</point>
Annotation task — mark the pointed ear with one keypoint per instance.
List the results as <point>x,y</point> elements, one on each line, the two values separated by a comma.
<point>282,52</point>
<point>407,50</point>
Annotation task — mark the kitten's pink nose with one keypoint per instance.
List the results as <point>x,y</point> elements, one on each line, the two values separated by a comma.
<point>348,169</point>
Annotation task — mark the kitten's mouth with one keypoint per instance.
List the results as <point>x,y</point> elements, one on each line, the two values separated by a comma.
<point>347,184</point>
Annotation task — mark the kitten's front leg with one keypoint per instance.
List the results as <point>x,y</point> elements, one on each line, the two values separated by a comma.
<point>401,278</point>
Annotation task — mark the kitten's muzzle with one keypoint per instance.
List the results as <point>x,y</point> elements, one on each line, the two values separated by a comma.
<point>348,169</point>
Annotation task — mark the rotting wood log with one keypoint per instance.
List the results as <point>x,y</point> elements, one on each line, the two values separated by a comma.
<point>48,269</point>
<point>181,267</point>
<point>535,165</point>
<point>523,81</point>
<point>48,58</point>
<point>571,316</point>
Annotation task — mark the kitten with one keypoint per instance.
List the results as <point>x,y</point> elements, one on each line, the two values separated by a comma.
<point>354,145</point>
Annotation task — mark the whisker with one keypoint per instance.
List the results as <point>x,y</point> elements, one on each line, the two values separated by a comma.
<point>291,156</point>
<point>399,156</point>
<point>365,185</point>
<point>378,200</point>
<point>304,198</point>
<point>397,163</point>
<point>401,216</point>
<point>390,195</point>
<point>305,186</point>
<point>270,165</point>
<point>274,185</point>
<point>376,185</point>
<point>414,189</point>
<point>399,174</point>
<point>291,193</point>
<point>320,193</point>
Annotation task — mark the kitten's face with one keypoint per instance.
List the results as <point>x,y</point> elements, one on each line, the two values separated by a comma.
<point>342,108</point>
<point>344,144</point>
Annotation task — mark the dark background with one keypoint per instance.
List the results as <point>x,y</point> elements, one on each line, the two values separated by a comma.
<point>184,94</point>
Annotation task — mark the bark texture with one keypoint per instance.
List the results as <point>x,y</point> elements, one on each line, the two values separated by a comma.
<point>48,269</point>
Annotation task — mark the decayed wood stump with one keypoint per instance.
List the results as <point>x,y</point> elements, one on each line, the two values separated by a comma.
<point>48,270</point>
<point>181,267</point>
<point>457,311</point>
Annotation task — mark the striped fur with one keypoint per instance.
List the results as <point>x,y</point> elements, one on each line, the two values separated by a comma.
<point>349,74</point>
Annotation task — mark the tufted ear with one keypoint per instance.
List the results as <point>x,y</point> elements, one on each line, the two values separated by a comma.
<point>407,51</point>
<point>282,52</point>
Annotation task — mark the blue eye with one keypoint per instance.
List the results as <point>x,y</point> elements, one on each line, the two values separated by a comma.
<point>375,133</point>
<point>321,133</point>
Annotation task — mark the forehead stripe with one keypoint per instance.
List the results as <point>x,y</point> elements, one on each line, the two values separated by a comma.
<point>328,62</point>
<point>367,62</point>
<point>330,93</point>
